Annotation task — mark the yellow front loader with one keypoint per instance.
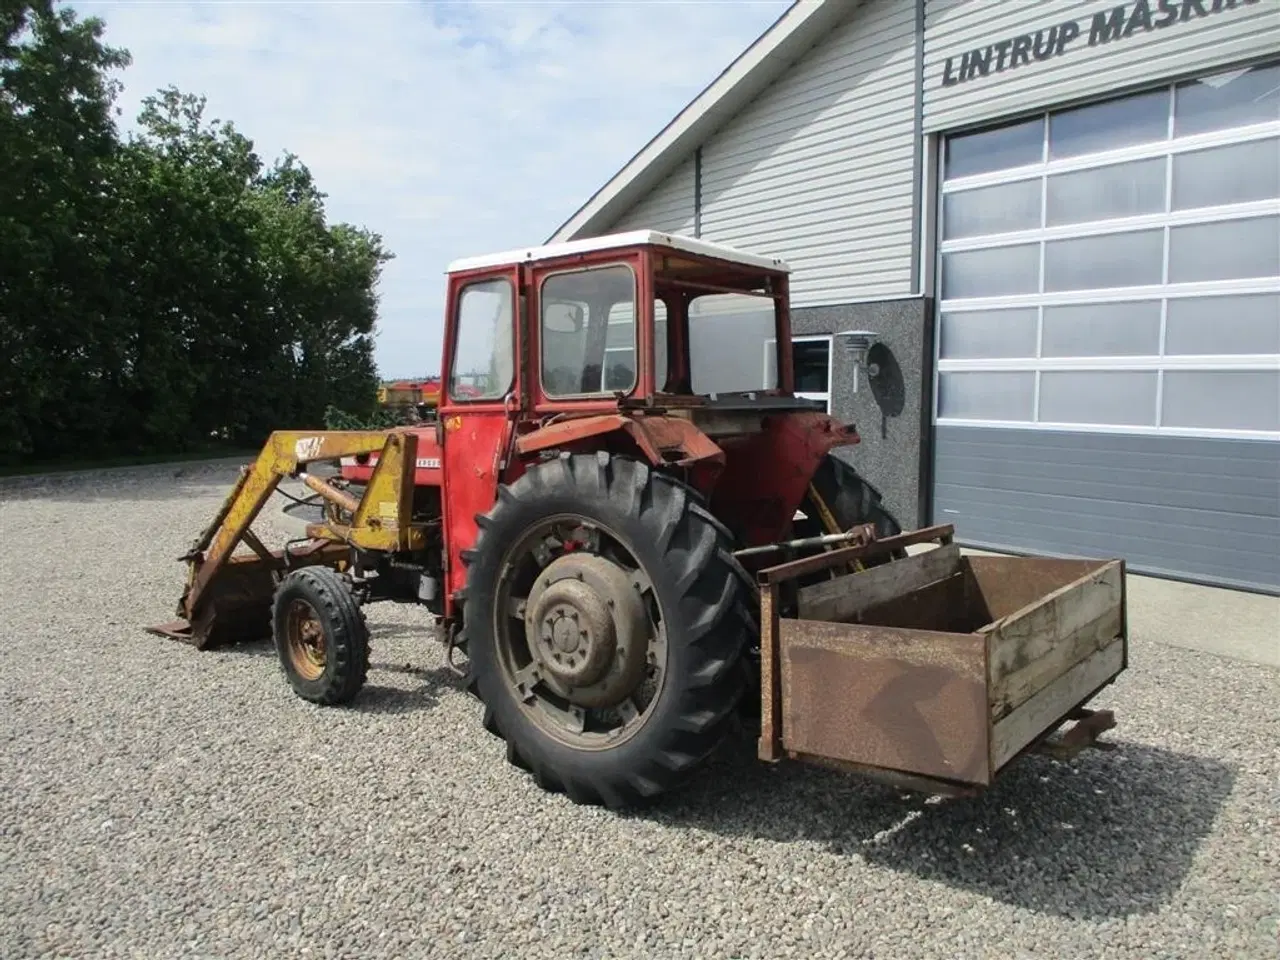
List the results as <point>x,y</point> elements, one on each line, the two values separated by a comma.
<point>228,596</point>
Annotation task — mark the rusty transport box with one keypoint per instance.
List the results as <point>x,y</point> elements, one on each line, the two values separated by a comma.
<point>936,670</point>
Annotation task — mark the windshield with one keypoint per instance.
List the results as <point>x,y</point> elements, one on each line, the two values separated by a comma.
<point>588,331</point>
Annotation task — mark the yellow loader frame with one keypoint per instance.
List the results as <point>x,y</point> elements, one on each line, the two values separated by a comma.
<point>229,595</point>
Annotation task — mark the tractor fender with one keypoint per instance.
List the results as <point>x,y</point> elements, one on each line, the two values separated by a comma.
<point>660,439</point>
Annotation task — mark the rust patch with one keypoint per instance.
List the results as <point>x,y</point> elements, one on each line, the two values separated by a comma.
<point>661,439</point>
<point>770,676</point>
<point>235,605</point>
<point>797,568</point>
<point>899,699</point>
<point>1007,584</point>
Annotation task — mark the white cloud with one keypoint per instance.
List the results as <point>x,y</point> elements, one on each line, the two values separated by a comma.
<point>451,128</point>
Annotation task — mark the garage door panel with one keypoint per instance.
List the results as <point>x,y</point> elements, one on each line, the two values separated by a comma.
<point>1120,488</point>
<point>1218,563</point>
<point>1159,523</point>
<point>1120,467</point>
<point>1005,459</point>
<point>1063,530</point>
<point>1220,525</point>
<point>1108,375</point>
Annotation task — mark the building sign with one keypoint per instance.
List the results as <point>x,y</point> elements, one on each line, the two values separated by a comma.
<point>1114,24</point>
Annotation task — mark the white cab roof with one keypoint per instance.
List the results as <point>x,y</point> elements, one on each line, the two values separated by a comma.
<point>614,240</point>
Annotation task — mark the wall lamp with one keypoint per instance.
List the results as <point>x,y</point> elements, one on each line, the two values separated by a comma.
<point>858,343</point>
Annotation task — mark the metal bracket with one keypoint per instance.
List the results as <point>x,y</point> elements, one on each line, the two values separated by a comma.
<point>1084,733</point>
<point>450,645</point>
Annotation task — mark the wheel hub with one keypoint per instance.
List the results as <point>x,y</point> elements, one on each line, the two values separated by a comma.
<point>306,642</point>
<point>576,638</point>
<point>587,630</point>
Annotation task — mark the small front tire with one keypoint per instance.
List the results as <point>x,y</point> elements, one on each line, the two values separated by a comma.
<point>321,637</point>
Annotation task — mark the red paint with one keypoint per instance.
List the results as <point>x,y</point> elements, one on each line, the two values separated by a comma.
<point>471,487</point>
<point>424,476</point>
<point>658,439</point>
<point>477,434</point>
<point>766,474</point>
<point>753,482</point>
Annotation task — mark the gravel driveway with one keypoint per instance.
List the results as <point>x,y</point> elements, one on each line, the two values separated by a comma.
<point>161,802</point>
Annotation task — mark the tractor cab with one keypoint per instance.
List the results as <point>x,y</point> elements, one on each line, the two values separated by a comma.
<point>673,349</point>
<point>639,320</point>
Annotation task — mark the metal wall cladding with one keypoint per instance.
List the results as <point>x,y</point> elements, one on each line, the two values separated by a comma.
<point>818,169</point>
<point>669,207</point>
<point>1038,53</point>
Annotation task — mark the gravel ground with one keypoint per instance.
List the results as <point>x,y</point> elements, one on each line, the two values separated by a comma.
<point>161,802</point>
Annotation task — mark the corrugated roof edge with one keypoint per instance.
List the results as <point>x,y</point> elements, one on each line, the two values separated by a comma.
<point>613,241</point>
<point>804,24</point>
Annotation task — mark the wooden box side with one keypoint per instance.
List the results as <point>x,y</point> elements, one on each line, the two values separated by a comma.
<point>1032,647</point>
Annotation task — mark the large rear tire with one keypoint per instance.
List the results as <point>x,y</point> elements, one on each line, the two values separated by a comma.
<point>605,620</point>
<point>850,498</point>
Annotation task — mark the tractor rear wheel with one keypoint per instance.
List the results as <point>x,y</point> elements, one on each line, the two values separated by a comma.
<point>851,501</point>
<point>321,637</point>
<point>605,621</point>
<point>850,498</point>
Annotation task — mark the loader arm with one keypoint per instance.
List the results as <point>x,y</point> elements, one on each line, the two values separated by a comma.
<point>226,593</point>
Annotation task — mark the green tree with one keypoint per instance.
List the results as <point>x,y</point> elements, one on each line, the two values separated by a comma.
<point>57,147</point>
<point>165,290</point>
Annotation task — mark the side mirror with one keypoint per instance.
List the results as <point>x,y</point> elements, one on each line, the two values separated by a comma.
<point>562,317</point>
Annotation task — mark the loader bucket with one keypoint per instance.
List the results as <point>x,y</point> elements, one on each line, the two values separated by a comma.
<point>235,605</point>
<point>934,671</point>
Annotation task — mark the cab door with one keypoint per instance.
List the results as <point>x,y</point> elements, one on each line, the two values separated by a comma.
<point>480,401</point>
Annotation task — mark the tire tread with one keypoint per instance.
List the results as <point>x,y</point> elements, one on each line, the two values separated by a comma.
<point>348,633</point>
<point>712,598</point>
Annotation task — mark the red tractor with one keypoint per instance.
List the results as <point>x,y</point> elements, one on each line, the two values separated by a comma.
<point>617,457</point>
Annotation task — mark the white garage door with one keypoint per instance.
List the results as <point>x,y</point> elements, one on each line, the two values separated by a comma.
<point>1108,365</point>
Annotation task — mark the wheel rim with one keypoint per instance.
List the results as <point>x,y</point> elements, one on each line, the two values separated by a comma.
<point>305,640</point>
<point>586,671</point>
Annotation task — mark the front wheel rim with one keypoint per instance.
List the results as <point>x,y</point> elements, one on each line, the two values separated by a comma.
<point>305,641</point>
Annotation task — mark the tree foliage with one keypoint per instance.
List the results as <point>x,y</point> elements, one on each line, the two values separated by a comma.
<point>166,290</point>
<point>382,418</point>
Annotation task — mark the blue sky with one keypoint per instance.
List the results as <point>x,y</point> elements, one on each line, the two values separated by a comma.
<point>451,128</point>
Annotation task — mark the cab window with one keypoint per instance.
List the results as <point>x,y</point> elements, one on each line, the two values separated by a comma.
<point>483,365</point>
<point>588,332</point>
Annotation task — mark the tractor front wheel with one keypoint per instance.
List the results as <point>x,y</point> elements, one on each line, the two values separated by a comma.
<point>321,637</point>
<point>605,620</point>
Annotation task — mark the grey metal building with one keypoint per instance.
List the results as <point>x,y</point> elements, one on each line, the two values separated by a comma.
<point>1062,220</point>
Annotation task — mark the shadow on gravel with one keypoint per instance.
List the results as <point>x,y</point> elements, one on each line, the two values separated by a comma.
<point>1107,836</point>
<point>393,631</point>
<point>376,698</point>
<point>435,684</point>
